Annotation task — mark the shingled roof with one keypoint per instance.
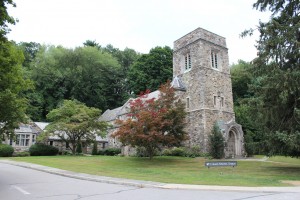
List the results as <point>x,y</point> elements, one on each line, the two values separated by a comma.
<point>111,115</point>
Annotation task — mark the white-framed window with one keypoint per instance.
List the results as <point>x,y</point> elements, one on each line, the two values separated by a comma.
<point>188,61</point>
<point>214,60</point>
<point>22,139</point>
<point>33,139</point>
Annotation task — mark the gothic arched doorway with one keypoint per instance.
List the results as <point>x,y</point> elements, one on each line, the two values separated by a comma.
<point>231,144</point>
<point>234,143</point>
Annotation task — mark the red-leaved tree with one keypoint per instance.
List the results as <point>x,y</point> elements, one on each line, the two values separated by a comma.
<point>154,123</point>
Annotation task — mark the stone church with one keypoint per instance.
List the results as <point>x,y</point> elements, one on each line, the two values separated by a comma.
<point>201,77</point>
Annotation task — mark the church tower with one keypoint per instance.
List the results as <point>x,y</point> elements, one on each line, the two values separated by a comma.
<point>202,79</point>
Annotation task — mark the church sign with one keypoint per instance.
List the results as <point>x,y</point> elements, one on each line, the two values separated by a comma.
<point>221,164</point>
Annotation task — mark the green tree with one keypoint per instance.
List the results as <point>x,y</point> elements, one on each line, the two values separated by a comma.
<point>277,72</point>
<point>154,123</point>
<point>84,73</point>
<point>12,84</point>
<point>50,80</point>
<point>30,50</point>
<point>92,43</point>
<point>97,79</point>
<point>126,59</point>
<point>241,78</point>
<point>151,70</point>
<point>73,122</point>
<point>5,19</point>
<point>216,140</point>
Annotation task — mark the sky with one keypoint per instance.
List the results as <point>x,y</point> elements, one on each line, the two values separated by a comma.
<point>137,24</point>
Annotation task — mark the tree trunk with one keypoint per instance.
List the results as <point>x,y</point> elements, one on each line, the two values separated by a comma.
<point>74,148</point>
<point>150,152</point>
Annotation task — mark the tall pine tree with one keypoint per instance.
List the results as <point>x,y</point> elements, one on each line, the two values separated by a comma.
<point>277,72</point>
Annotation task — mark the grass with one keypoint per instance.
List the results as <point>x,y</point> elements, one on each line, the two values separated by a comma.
<point>284,159</point>
<point>177,169</point>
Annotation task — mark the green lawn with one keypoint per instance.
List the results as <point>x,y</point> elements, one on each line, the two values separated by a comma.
<point>178,169</point>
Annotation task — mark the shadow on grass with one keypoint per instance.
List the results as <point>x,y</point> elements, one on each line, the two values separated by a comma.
<point>286,171</point>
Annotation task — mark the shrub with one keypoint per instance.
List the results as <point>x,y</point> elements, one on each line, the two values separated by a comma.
<point>22,154</point>
<point>112,151</point>
<point>216,143</point>
<point>193,152</point>
<point>142,152</point>
<point>167,152</point>
<point>178,151</point>
<point>101,152</point>
<point>6,150</point>
<point>66,153</point>
<point>183,152</point>
<point>43,150</point>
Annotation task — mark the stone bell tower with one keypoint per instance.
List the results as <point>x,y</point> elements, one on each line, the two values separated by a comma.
<point>202,79</point>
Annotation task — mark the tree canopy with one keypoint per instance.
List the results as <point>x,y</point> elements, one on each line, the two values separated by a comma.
<point>151,70</point>
<point>154,123</point>
<point>5,19</point>
<point>277,71</point>
<point>84,73</point>
<point>12,82</point>
<point>73,122</point>
<point>97,76</point>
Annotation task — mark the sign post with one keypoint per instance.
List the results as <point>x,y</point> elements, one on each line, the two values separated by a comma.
<point>221,164</point>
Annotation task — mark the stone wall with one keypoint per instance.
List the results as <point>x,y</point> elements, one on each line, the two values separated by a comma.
<point>208,90</point>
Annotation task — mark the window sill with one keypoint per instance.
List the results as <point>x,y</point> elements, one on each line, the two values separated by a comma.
<point>217,69</point>
<point>187,70</point>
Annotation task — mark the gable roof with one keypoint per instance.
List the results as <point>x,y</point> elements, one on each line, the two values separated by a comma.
<point>41,125</point>
<point>111,115</point>
<point>33,127</point>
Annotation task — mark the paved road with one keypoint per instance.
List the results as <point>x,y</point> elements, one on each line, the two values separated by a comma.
<point>18,183</point>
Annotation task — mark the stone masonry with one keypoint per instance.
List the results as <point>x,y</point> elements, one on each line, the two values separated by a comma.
<point>200,61</point>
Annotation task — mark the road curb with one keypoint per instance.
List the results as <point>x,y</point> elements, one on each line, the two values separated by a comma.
<point>149,184</point>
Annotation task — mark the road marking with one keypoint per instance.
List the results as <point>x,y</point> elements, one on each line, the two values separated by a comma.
<point>20,190</point>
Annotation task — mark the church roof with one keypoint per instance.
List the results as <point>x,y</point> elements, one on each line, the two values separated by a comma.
<point>111,115</point>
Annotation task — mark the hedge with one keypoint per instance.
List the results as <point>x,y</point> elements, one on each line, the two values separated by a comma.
<point>6,150</point>
<point>110,152</point>
<point>43,150</point>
